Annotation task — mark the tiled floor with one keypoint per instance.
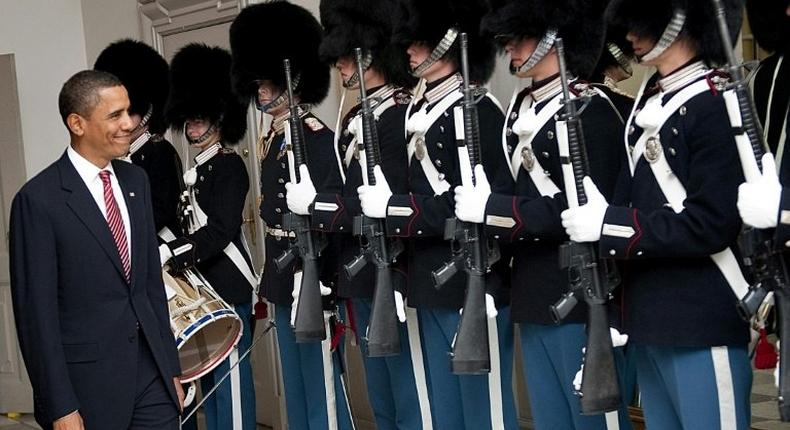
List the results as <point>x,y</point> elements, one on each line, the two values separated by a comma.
<point>765,415</point>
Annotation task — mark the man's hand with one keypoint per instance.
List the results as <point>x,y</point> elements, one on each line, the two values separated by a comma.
<point>470,201</point>
<point>72,421</point>
<point>179,393</point>
<point>758,201</point>
<point>583,223</point>
<point>374,198</point>
<point>300,195</point>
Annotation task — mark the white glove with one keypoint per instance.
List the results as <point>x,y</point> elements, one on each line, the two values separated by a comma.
<point>325,291</point>
<point>491,311</point>
<point>470,201</point>
<point>758,201</point>
<point>400,310</point>
<point>583,223</point>
<point>165,254</point>
<point>618,339</point>
<point>300,195</point>
<point>374,198</point>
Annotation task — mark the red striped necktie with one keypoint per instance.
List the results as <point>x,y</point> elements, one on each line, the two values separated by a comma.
<point>115,222</point>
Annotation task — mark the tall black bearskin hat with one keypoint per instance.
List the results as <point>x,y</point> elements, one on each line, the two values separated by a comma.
<point>366,24</point>
<point>429,21</point>
<point>200,88</point>
<point>144,73</point>
<point>617,51</point>
<point>770,23</point>
<point>580,23</point>
<point>667,21</point>
<point>299,38</point>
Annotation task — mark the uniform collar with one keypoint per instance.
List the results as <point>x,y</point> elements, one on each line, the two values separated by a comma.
<point>682,76</point>
<point>278,123</point>
<point>443,88</point>
<point>382,93</point>
<point>546,89</point>
<point>208,153</point>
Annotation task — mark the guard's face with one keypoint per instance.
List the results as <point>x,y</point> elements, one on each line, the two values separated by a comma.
<point>105,134</point>
<point>418,52</point>
<point>267,92</point>
<point>520,49</point>
<point>641,45</point>
<point>136,120</point>
<point>197,127</point>
<point>346,66</point>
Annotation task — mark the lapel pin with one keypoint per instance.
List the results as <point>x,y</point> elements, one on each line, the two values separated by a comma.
<point>131,194</point>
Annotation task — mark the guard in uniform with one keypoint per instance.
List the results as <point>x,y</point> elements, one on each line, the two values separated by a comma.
<point>763,203</point>
<point>350,24</point>
<point>145,74</point>
<point>431,33</point>
<point>677,239</point>
<point>315,394</point>
<point>530,217</point>
<point>204,108</point>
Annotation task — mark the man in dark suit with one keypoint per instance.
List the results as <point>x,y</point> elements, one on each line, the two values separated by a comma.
<point>90,306</point>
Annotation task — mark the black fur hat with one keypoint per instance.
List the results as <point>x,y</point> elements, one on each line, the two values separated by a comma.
<point>770,24</point>
<point>144,73</point>
<point>580,23</point>
<point>200,88</point>
<point>366,24</point>
<point>649,19</point>
<point>298,36</point>
<point>428,21</point>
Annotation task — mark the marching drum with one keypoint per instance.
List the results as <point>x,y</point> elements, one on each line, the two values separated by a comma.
<point>205,327</point>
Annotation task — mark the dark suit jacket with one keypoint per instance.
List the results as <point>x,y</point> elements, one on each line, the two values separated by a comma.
<point>76,315</point>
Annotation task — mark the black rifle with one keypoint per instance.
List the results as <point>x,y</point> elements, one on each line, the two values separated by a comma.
<point>470,355</point>
<point>309,324</point>
<point>760,256</point>
<point>382,334</point>
<point>600,389</point>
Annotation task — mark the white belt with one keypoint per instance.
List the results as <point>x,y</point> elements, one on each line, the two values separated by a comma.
<point>438,186</point>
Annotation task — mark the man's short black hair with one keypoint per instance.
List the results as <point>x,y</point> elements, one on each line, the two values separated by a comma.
<point>80,94</point>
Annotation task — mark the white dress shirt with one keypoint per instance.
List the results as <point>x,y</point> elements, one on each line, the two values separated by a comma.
<point>90,175</point>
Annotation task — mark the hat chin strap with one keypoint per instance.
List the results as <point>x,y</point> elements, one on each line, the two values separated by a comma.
<point>620,57</point>
<point>282,98</point>
<point>203,137</point>
<point>437,53</point>
<point>367,60</point>
<point>543,48</point>
<point>670,35</point>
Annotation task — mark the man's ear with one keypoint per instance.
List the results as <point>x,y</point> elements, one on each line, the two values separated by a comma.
<point>76,124</point>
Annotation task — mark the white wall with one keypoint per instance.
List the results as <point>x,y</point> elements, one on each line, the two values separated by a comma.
<point>48,42</point>
<point>106,21</point>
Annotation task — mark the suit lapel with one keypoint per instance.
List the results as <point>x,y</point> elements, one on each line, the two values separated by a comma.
<point>132,195</point>
<point>81,202</point>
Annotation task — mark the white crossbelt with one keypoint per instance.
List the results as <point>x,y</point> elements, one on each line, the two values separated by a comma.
<point>355,128</point>
<point>526,127</point>
<point>670,184</point>
<point>419,123</point>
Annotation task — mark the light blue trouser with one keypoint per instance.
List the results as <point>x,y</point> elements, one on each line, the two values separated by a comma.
<point>303,380</point>
<point>552,356</point>
<point>232,406</point>
<point>694,388</point>
<point>390,380</point>
<point>463,402</point>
